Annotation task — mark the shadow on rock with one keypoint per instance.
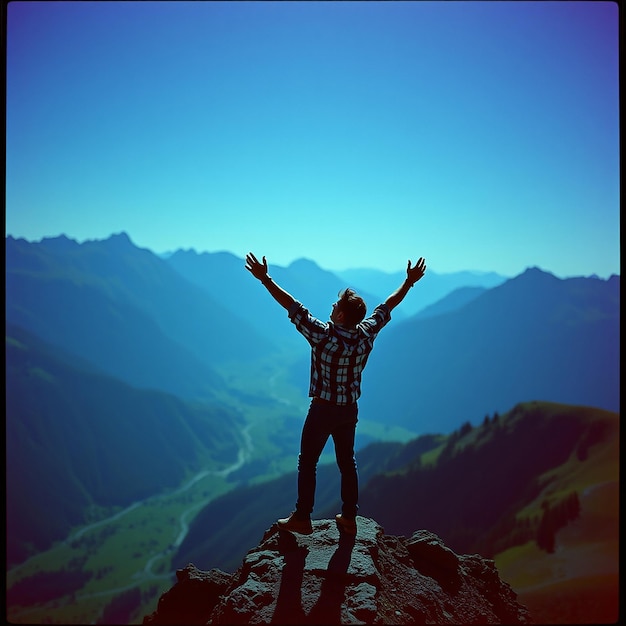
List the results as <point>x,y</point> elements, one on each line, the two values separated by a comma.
<point>327,609</point>
<point>330,578</point>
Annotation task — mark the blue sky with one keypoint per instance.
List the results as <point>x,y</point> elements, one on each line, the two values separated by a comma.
<point>480,135</point>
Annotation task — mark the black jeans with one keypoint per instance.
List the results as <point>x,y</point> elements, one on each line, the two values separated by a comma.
<point>322,421</point>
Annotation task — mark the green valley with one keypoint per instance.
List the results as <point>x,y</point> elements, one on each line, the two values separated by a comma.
<point>129,550</point>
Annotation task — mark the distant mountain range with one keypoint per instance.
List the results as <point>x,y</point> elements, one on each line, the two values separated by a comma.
<point>220,274</point>
<point>534,337</point>
<point>127,311</point>
<point>432,288</point>
<point>110,347</point>
<point>475,350</point>
<point>223,276</point>
<point>481,350</point>
<point>171,324</point>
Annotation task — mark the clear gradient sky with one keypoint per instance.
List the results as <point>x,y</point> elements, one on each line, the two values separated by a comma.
<point>481,135</point>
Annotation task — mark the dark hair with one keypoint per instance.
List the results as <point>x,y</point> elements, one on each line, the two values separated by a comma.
<point>352,306</point>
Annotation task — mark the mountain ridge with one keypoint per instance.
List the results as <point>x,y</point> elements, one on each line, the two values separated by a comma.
<point>534,336</point>
<point>127,311</point>
<point>73,432</point>
<point>432,287</point>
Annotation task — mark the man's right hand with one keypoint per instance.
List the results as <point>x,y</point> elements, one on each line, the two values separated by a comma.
<point>257,269</point>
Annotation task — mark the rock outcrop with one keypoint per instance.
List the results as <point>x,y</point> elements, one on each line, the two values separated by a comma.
<point>332,578</point>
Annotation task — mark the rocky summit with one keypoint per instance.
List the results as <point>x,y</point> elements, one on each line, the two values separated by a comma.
<point>332,578</point>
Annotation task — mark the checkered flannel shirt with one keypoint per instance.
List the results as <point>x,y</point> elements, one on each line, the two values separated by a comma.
<point>338,353</point>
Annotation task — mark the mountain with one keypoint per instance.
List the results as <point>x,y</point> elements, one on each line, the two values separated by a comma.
<point>432,287</point>
<point>317,289</point>
<point>330,578</point>
<point>115,357</point>
<point>77,438</point>
<point>223,275</point>
<point>127,311</point>
<point>526,445</point>
<point>534,336</point>
<point>536,488</point>
<point>451,302</point>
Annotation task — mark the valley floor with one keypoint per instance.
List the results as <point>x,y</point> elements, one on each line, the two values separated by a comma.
<point>131,550</point>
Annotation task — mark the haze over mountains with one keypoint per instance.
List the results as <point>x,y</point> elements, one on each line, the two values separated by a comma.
<point>105,333</point>
<point>171,323</point>
<point>432,288</point>
<point>535,336</point>
<point>109,311</point>
<point>77,439</point>
<point>125,310</point>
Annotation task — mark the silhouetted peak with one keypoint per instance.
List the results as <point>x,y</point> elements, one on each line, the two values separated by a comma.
<point>304,265</point>
<point>536,272</point>
<point>332,578</point>
<point>61,243</point>
<point>306,269</point>
<point>532,277</point>
<point>183,253</point>
<point>120,240</point>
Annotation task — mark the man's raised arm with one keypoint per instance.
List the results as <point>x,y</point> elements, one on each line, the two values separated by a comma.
<point>413,274</point>
<point>259,270</point>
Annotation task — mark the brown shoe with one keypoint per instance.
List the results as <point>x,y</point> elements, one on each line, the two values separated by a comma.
<point>295,525</point>
<point>345,524</point>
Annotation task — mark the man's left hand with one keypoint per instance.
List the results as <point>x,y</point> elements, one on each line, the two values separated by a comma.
<point>257,269</point>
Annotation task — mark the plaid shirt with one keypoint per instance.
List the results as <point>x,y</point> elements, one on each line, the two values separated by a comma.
<point>338,354</point>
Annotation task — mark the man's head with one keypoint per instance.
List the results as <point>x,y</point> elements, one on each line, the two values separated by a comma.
<point>349,310</point>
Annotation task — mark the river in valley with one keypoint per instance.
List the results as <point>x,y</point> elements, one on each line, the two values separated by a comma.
<point>179,530</point>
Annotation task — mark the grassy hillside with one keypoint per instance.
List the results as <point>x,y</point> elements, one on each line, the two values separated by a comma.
<point>577,582</point>
<point>537,490</point>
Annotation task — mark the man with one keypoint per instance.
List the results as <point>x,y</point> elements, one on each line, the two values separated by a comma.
<point>339,352</point>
